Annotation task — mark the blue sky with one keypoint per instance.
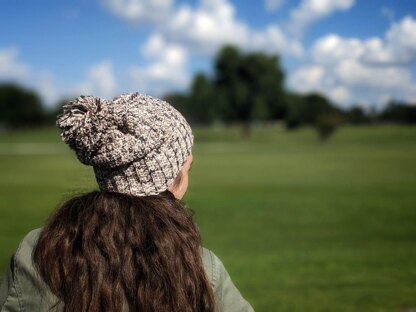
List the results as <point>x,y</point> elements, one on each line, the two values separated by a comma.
<point>353,51</point>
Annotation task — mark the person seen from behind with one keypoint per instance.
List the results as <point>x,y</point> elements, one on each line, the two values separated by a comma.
<point>132,245</point>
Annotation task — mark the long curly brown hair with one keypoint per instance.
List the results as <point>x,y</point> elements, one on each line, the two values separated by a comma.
<point>107,251</point>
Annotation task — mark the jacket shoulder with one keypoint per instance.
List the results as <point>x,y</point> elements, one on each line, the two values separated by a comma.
<point>227,296</point>
<point>209,264</point>
<point>22,288</point>
<point>29,241</point>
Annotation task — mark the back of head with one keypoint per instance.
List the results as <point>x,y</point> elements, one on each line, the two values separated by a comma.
<point>132,244</point>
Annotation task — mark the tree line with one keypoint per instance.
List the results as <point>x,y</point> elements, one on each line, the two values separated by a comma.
<point>243,88</point>
<point>249,87</point>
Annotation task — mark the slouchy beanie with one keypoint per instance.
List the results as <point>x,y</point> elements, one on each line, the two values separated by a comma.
<point>136,143</point>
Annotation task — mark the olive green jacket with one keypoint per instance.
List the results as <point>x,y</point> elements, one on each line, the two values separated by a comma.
<point>22,289</point>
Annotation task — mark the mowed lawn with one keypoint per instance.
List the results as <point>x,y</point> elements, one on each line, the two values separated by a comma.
<point>300,225</point>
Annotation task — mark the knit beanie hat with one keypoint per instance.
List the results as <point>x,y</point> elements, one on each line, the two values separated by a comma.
<point>136,143</point>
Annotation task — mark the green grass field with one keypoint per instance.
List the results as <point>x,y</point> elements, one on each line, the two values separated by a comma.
<point>301,225</point>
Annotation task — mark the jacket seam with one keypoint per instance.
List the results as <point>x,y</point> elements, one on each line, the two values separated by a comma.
<point>214,279</point>
<point>16,284</point>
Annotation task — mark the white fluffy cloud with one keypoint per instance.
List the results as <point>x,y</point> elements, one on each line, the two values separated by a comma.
<point>350,82</point>
<point>10,67</point>
<point>139,11</point>
<point>309,77</point>
<point>199,30</point>
<point>332,48</point>
<point>399,46</point>
<point>273,40</point>
<point>310,11</point>
<point>315,78</point>
<point>206,27</point>
<point>353,70</point>
<point>99,81</point>
<point>184,31</point>
<point>45,83</point>
<point>356,74</point>
<point>166,68</point>
<point>214,23</point>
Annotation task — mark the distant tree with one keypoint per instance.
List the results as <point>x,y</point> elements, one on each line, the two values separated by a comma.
<point>203,105</point>
<point>322,114</point>
<point>250,86</point>
<point>399,112</point>
<point>261,110</point>
<point>295,107</point>
<point>181,102</point>
<point>316,105</point>
<point>357,116</point>
<point>307,109</point>
<point>327,123</point>
<point>246,87</point>
<point>264,78</point>
<point>20,107</point>
<point>228,84</point>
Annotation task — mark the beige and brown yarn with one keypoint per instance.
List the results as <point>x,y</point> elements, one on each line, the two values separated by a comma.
<point>136,143</point>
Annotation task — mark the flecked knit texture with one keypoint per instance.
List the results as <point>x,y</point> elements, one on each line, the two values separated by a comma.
<point>136,143</point>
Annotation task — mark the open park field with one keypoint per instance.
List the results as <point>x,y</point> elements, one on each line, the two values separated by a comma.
<point>300,225</point>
